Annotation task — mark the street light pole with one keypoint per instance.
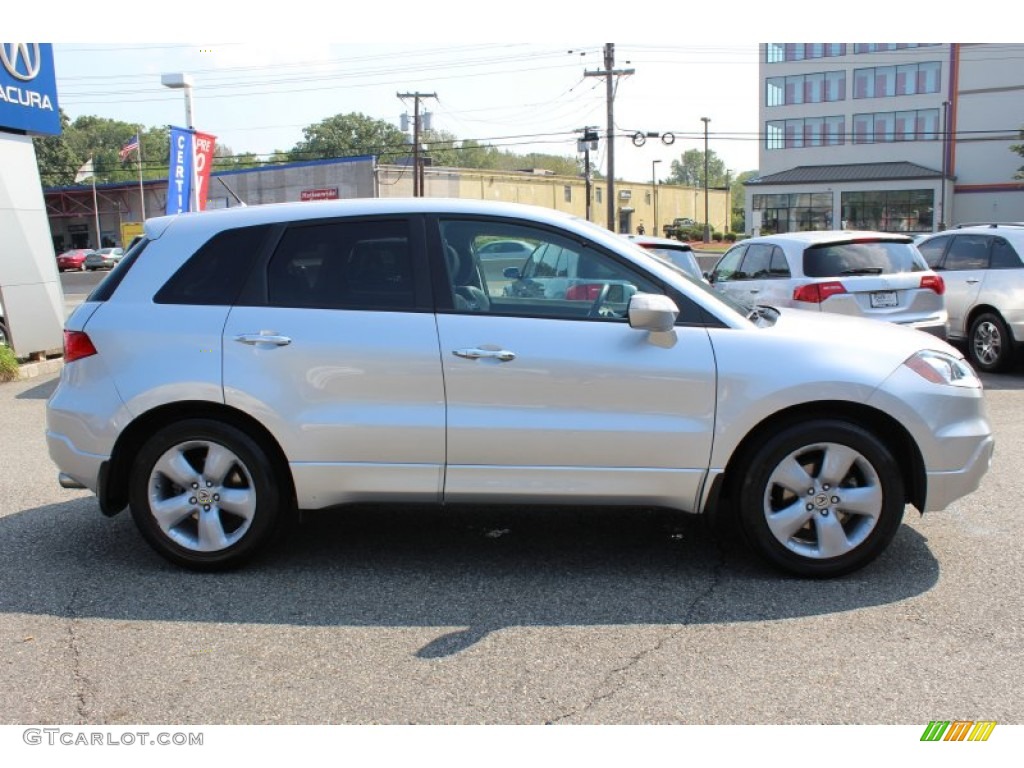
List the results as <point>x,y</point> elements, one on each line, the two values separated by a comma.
<point>654,188</point>
<point>707,230</point>
<point>180,80</point>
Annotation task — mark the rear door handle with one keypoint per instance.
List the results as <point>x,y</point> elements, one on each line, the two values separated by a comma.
<point>263,337</point>
<point>972,280</point>
<point>475,353</point>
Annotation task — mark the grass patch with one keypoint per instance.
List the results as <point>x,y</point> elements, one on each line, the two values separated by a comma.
<point>8,364</point>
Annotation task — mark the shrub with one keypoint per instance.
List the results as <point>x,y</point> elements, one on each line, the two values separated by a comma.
<point>716,236</point>
<point>8,364</point>
<point>730,237</point>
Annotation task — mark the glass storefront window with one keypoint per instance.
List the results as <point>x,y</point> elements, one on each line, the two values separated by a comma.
<point>909,210</point>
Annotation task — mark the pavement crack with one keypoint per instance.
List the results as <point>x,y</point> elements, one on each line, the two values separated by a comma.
<point>80,683</point>
<point>616,678</point>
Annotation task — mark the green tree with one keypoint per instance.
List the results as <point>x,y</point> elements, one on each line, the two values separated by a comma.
<point>350,135</point>
<point>688,171</point>
<point>1019,149</point>
<point>56,160</point>
<point>738,198</point>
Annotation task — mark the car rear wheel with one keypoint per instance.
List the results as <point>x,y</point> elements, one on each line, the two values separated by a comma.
<point>205,495</point>
<point>821,498</point>
<point>990,346</point>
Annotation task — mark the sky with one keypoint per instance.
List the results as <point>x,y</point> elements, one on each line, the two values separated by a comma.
<point>278,74</point>
<point>521,97</point>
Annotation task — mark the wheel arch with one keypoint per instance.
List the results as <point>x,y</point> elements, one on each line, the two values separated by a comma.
<point>982,309</point>
<point>114,478</point>
<point>883,426</point>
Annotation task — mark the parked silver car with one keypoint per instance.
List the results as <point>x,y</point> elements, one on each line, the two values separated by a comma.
<point>865,274</point>
<point>672,251</point>
<point>241,364</point>
<point>984,276</point>
<point>104,258</point>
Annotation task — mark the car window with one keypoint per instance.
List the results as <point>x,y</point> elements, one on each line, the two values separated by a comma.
<point>728,265</point>
<point>933,249</point>
<point>756,262</point>
<point>563,278</point>
<point>1003,255</point>
<point>344,265</point>
<point>862,257</point>
<point>216,272</point>
<point>778,266</point>
<point>968,252</point>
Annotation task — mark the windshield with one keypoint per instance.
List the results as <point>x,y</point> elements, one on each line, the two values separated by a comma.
<point>862,257</point>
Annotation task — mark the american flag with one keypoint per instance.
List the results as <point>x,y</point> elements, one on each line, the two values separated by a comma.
<point>128,148</point>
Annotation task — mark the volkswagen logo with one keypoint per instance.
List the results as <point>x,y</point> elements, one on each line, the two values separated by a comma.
<point>21,60</point>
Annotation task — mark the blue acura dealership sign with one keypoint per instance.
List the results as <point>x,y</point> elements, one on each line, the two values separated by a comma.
<point>28,88</point>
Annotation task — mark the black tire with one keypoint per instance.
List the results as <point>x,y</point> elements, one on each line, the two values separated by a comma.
<point>192,469</point>
<point>791,505</point>
<point>990,345</point>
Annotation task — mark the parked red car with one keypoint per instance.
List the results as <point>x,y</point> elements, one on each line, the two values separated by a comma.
<point>73,259</point>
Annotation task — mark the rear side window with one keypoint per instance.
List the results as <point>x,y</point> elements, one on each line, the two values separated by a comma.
<point>214,274</point>
<point>863,257</point>
<point>968,252</point>
<point>344,265</point>
<point>1004,256</point>
<point>106,289</point>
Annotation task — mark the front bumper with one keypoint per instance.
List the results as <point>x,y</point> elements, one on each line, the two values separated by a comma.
<point>945,487</point>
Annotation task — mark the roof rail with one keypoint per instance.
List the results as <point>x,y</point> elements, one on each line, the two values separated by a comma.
<point>992,224</point>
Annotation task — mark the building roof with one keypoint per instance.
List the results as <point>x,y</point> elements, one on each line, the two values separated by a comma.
<point>826,174</point>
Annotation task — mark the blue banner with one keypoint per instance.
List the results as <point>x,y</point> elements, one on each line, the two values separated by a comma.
<point>179,177</point>
<point>28,89</point>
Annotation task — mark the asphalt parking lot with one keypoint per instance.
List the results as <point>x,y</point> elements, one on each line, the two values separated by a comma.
<point>502,616</point>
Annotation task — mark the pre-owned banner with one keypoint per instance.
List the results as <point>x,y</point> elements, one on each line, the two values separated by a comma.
<point>204,161</point>
<point>179,177</point>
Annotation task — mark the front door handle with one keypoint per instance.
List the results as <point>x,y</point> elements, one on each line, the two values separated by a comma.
<point>492,354</point>
<point>972,280</point>
<point>263,337</point>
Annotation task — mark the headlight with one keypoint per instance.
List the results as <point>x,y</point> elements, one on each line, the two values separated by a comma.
<point>941,368</point>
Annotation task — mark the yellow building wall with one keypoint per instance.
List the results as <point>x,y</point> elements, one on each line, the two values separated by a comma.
<point>563,193</point>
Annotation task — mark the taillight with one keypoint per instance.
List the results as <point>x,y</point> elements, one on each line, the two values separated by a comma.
<point>77,345</point>
<point>935,283</point>
<point>815,293</point>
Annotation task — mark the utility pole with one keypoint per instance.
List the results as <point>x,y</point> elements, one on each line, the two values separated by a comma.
<point>584,145</point>
<point>417,172</point>
<point>608,73</point>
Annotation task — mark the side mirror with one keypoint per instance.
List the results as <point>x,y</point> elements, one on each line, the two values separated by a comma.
<point>652,312</point>
<point>511,273</point>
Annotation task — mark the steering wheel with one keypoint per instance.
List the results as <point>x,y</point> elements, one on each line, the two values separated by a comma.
<point>595,308</point>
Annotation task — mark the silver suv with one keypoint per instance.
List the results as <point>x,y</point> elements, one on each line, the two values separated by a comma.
<point>866,274</point>
<point>984,276</point>
<point>239,365</point>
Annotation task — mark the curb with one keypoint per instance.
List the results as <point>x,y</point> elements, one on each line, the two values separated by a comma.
<point>34,369</point>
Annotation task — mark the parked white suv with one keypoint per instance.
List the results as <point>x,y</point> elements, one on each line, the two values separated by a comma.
<point>241,364</point>
<point>865,274</point>
<point>984,276</point>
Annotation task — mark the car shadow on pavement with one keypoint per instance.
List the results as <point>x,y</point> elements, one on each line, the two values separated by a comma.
<point>466,571</point>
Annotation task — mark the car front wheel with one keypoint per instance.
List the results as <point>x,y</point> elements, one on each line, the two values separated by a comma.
<point>205,495</point>
<point>821,498</point>
<point>990,345</point>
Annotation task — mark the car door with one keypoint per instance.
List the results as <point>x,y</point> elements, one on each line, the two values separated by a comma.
<point>553,397</point>
<point>335,352</point>
<point>727,277</point>
<point>963,264</point>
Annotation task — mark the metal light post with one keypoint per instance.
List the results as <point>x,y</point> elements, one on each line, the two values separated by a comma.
<point>654,188</point>
<point>185,82</point>
<point>707,226</point>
